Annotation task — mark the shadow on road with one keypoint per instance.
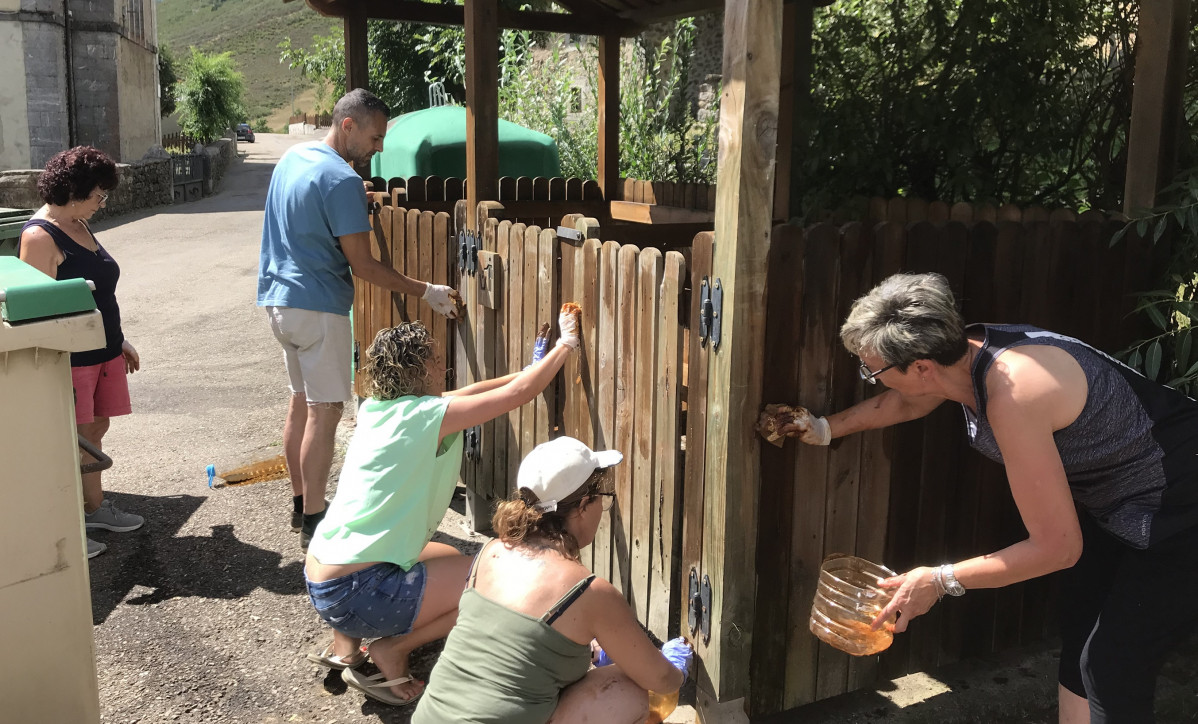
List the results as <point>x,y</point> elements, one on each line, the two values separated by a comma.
<point>216,566</point>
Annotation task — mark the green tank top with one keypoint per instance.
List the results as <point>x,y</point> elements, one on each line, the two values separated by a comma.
<point>501,666</point>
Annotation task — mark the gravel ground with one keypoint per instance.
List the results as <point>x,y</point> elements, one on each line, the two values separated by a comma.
<point>201,615</point>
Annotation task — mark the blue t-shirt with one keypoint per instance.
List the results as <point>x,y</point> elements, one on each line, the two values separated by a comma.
<point>314,197</point>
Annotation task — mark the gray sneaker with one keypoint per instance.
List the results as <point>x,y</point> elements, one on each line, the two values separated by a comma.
<point>95,548</point>
<point>110,517</point>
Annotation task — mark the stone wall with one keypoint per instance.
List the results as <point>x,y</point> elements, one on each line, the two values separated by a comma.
<point>144,184</point>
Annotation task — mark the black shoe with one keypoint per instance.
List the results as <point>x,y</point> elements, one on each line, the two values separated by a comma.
<point>297,521</point>
<point>308,529</point>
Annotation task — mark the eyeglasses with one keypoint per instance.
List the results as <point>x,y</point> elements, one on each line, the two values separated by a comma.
<point>103,198</point>
<point>608,500</point>
<point>870,376</point>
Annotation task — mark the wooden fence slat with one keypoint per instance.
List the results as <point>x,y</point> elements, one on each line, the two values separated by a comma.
<point>507,188</point>
<point>557,189</point>
<point>530,421</point>
<point>664,534</point>
<point>454,189</point>
<point>938,212</point>
<point>424,261</point>
<point>591,190</point>
<point>540,189</point>
<point>819,325</point>
<point>504,485</point>
<point>605,363</point>
<point>440,275</point>
<point>844,458</point>
<point>515,341</point>
<point>586,295</point>
<point>574,189</point>
<point>961,211</point>
<point>416,189</point>
<point>548,304</point>
<point>626,315</point>
<point>412,302</point>
<point>644,449</point>
<point>434,189</point>
<point>775,520</point>
<point>523,189</point>
<point>485,327</point>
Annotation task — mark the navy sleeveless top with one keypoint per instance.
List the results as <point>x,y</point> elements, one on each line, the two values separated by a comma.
<point>100,268</point>
<point>1131,456</point>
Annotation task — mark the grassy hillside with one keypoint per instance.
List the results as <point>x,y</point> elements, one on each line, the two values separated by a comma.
<point>251,30</point>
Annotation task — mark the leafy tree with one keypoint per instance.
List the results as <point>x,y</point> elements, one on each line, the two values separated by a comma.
<point>210,95</point>
<point>980,100</point>
<point>167,78</point>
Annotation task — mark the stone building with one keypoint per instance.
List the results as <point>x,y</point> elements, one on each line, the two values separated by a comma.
<point>77,72</point>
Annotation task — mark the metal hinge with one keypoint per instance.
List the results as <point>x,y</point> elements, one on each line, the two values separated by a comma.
<point>462,246</point>
<point>698,614</point>
<point>357,355</point>
<point>472,254</point>
<point>467,252</point>
<point>472,443</point>
<point>711,307</point>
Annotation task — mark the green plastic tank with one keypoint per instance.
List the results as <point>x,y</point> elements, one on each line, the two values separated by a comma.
<point>432,142</point>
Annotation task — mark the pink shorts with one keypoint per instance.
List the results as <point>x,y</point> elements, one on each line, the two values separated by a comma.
<point>101,390</point>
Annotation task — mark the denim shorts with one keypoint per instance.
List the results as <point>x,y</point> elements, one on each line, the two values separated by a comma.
<point>379,601</point>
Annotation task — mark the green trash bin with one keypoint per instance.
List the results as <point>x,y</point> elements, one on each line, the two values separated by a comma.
<point>11,221</point>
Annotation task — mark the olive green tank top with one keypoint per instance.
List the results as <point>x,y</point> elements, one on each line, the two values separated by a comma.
<point>501,666</point>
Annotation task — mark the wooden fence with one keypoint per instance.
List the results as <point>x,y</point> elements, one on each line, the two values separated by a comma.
<point>913,494</point>
<point>912,210</point>
<point>413,242</point>
<point>177,143</point>
<point>319,120</point>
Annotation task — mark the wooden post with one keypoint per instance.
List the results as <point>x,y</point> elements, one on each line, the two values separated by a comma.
<point>356,63</point>
<point>744,203</point>
<point>609,116</point>
<point>482,102</point>
<point>1156,110</point>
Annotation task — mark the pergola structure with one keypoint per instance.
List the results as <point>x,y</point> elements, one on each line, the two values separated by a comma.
<point>766,72</point>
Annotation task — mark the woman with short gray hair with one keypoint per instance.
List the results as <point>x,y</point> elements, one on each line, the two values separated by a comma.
<point>1102,464</point>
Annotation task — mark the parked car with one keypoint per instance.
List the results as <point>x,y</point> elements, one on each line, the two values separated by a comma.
<point>245,133</point>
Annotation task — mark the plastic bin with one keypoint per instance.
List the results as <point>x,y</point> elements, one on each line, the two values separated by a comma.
<point>11,221</point>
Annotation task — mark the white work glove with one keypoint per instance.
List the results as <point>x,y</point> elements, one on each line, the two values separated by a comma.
<point>442,299</point>
<point>809,428</point>
<point>567,328</point>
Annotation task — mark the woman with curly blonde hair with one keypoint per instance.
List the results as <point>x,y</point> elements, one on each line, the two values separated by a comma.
<point>372,571</point>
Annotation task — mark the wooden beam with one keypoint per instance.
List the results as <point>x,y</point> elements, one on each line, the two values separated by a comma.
<point>744,203</point>
<point>794,109</point>
<point>609,116</point>
<point>482,102</point>
<point>413,11</point>
<point>654,214</point>
<point>356,46</point>
<point>671,10</point>
<point>1156,109</point>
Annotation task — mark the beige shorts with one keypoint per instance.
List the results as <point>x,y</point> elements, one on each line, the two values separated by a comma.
<point>317,348</point>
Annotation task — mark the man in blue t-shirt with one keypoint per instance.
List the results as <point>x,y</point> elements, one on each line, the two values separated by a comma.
<point>315,238</point>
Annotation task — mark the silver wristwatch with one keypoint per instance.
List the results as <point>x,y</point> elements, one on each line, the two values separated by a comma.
<point>952,586</point>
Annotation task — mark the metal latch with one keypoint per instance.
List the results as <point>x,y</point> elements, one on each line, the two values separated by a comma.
<point>462,250</point>
<point>698,614</point>
<point>565,232</point>
<point>472,443</point>
<point>472,253</point>
<point>711,306</point>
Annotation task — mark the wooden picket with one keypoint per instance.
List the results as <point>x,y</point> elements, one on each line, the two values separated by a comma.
<point>913,494</point>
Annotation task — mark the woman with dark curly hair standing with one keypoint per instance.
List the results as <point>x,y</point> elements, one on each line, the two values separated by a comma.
<point>58,242</point>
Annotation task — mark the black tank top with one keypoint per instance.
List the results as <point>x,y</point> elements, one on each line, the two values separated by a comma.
<point>99,268</point>
<point>1131,456</point>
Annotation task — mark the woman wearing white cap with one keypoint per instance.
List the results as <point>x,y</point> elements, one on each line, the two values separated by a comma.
<point>371,570</point>
<point>521,650</point>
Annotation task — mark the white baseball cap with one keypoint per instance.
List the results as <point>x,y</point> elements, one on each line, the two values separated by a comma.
<point>554,471</point>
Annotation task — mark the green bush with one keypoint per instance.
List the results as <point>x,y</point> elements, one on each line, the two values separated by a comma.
<point>210,95</point>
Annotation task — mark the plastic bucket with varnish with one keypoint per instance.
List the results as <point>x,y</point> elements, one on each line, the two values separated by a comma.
<point>847,600</point>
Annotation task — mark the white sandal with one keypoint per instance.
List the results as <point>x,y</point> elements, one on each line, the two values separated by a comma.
<point>377,689</point>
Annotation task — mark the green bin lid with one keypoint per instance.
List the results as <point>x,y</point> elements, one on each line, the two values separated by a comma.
<point>432,142</point>
<point>11,221</point>
<point>27,295</point>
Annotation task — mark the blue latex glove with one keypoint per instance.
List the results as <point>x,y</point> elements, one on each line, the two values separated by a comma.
<point>211,470</point>
<point>539,349</point>
<point>679,653</point>
<point>601,658</point>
